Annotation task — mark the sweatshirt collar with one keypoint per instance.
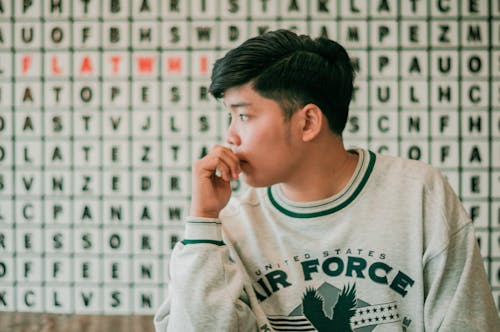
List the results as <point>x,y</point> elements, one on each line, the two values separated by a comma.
<point>332,204</point>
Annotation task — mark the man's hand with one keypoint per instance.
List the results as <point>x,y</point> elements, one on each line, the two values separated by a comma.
<point>211,187</point>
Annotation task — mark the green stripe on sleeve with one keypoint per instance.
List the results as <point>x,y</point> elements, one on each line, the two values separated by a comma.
<point>217,243</point>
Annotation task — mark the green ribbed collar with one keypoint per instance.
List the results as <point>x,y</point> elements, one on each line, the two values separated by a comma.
<point>330,205</point>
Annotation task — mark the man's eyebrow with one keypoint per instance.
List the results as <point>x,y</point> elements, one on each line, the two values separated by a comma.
<point>239,105</point>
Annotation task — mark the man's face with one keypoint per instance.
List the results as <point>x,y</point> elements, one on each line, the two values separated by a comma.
<point>260,137</point>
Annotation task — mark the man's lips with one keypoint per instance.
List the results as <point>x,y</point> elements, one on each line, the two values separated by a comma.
<point>243,163</point>
<point>240,157</point>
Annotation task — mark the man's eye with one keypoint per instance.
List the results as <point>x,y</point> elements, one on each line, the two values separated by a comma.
<point>243,117</point>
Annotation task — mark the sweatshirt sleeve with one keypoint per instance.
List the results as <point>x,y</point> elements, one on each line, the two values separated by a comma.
<point>206,290</point>
<point>457,293</point>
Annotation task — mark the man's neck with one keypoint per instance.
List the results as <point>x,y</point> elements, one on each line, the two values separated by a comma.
<point>323,174</point>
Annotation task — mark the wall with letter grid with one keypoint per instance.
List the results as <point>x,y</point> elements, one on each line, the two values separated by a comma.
<point>104,105</point>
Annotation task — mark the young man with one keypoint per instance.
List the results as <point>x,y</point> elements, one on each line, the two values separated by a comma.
<point>324,239</point>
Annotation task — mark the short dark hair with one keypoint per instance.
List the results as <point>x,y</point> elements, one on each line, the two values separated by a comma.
<point>292,70</point>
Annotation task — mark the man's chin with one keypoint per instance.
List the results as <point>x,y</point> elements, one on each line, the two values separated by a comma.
<point>254,182</point>
<point>248,180</point>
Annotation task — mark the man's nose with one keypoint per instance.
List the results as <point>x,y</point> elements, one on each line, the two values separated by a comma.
<point>232,137</point>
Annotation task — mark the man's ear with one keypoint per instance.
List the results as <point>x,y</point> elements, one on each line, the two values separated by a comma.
<point>312,121</point>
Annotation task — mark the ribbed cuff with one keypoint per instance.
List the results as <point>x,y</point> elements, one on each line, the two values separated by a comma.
<point>203,229</point>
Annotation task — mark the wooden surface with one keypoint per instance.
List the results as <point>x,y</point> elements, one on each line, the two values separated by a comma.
<point>38,322</point>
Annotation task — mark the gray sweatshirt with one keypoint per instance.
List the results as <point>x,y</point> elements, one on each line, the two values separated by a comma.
<point>394,251</point>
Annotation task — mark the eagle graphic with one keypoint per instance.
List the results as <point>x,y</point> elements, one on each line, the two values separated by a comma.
<point>344,309</point>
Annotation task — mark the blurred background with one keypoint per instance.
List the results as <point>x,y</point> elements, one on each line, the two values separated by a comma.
<point>104,105</point>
